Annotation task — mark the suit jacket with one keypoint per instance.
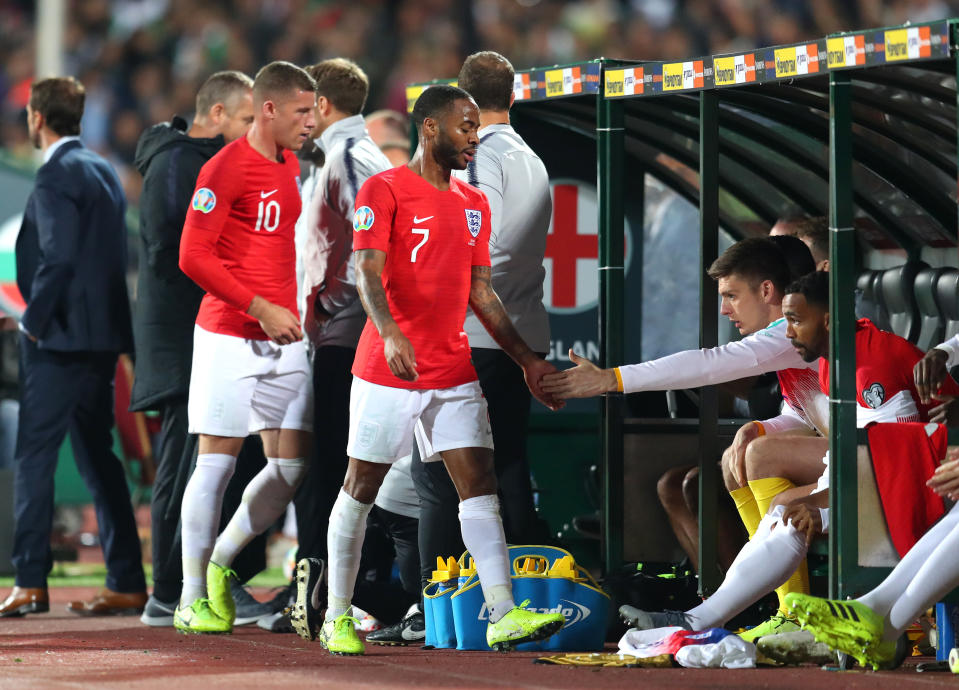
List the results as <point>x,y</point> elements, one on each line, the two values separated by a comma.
<point>72,255</point>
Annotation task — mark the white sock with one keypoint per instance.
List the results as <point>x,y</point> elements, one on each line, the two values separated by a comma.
<point>483,537</point>
<point>199,517</point>
<point>765,562</point>
<point>265,499</point>
<point>927,572</point>
<point>344,542</point>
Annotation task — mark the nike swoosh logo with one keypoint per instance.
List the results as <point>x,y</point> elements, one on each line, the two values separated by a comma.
<point>421,220</point>
<point>264,195</point>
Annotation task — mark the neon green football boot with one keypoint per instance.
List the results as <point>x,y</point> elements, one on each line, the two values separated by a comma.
<point>198,618</point>
<point>218,589</point>
<point>522,625</point>
<point>882,657</point>
<point>339,636</point>
<point>847,626</point>
<point>776,625</point>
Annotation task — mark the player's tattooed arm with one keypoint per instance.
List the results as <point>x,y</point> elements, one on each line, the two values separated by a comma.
<point>489,310</point>
<point>369,283</point>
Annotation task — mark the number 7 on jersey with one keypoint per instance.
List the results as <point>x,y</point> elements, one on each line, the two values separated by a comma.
<point>425,232</point>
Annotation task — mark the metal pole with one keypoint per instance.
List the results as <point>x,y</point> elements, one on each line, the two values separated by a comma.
<point>708,337</point>
<point>609,183</point>
<point>843,495</point>
<point>51,20</point>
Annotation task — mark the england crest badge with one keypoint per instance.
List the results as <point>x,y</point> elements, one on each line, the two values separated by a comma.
<point>474,221</point>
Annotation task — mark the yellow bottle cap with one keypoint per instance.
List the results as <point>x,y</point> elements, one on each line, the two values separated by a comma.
<point>564,567</point>
<point>445,569</point>
<point>469,569</point>
<point>533,565</point>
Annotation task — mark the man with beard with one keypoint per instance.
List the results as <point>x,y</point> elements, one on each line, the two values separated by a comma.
<point>421,241</point>
<point>71,270</point>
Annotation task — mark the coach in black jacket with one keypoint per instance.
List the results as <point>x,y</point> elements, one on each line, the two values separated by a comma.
<point>169,156</point>
<point>71,270</point>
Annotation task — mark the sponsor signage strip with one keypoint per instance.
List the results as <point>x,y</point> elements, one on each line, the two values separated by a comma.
<point>778,63</point>
<point>537,84</point>
<point>857,50</point>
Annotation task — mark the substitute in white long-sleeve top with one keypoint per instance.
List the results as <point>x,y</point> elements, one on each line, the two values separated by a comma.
<point>332,313</point>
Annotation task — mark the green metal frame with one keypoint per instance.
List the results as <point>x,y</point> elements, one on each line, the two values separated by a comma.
<point>846,576</point>
<point>610,156</point>
<point>843,499</point>
<point>708,337</point>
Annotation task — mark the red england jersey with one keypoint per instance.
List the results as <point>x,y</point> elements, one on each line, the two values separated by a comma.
<point>432,239</point>
<point>800,389</point>
<point>238,237</point>
<point>885,388</point>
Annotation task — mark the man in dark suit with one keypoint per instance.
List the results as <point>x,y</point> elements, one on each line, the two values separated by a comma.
<point>71,266</point>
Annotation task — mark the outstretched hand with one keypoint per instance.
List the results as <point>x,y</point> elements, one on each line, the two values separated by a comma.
<point>584,380</point>
<point>535,372</point>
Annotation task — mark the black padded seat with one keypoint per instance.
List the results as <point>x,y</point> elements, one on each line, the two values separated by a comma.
<point>899,298</point>
<point>931,322</point>
<point>869,299</point>
<point>947,297</point>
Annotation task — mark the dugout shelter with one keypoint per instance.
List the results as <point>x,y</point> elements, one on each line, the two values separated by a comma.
<point>860,127</point>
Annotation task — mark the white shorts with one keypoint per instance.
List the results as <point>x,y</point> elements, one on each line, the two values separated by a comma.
<point>383,420</point>
<point>240,386</point>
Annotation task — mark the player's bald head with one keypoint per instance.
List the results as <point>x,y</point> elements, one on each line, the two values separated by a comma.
<point>279,81</point>
<point>435,102</point>
<point>488,78</point>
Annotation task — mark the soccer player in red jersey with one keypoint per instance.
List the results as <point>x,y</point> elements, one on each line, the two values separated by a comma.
<point>250,369</point>
<point>421,240</point>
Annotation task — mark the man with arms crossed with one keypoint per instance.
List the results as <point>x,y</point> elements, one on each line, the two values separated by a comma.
<point>250,369</point>
<point>422,253</point>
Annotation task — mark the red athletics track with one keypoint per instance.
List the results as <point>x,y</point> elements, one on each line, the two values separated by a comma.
<point>60,650</point>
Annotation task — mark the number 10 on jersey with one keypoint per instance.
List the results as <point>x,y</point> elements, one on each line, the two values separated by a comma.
<point>268,215</point>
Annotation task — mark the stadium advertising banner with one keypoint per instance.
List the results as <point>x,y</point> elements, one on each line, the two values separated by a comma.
<point>846,51</point>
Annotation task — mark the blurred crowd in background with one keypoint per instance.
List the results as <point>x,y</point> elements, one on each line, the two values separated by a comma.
<point>143,60</point>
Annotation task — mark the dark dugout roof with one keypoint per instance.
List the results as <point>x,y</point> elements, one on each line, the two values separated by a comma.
<point>774,127</point>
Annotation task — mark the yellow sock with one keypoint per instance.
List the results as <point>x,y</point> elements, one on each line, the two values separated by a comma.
<point>748,510</point>
<point>798,582</point>
<point>765,490</point>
